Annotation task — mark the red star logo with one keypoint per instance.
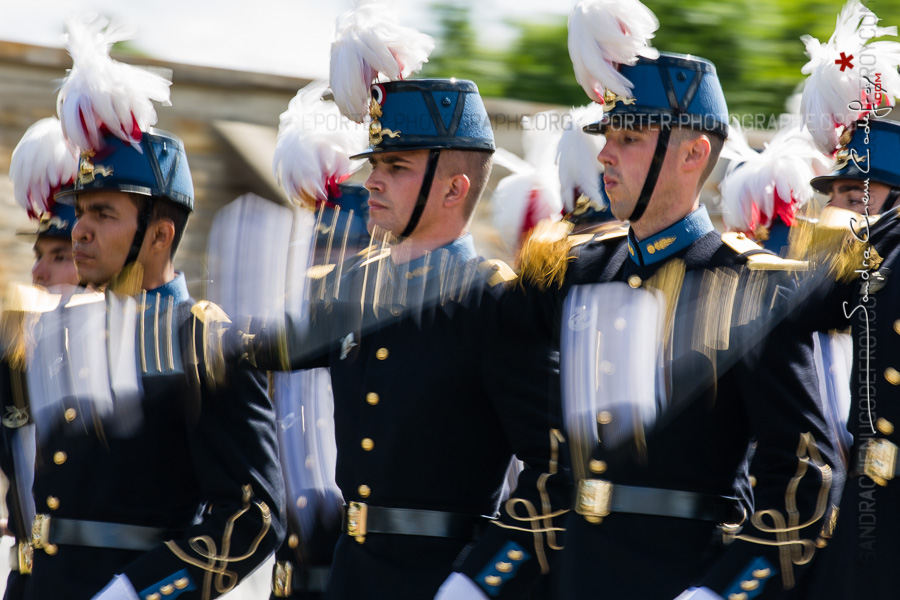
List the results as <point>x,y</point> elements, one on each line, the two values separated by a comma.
<point>844,61</point>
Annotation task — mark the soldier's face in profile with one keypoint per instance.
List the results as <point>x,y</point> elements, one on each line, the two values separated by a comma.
<point>394,186</point>
<point>626,159</point>
<point>53,264</point>
<point>102,236</point>
<point>850,194</point>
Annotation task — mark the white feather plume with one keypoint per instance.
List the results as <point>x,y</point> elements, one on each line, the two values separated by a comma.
<point>604,34</point>
<point>759,185</point>
<point>100,92</point>
<point>369,41</point>
<point>314,145</point>
<point>833,97</point>
<point>531,193</point>
<point>579,169</point>
<point>42,162</point>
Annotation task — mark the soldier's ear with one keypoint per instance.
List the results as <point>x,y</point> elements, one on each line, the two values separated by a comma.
<point>162,234</point>
<point>696,153</point>
<point>457,189</point>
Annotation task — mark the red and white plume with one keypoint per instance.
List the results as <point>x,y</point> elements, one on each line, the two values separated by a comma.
<point>604,34</point>
<point>579,169</point>
<point>760,186</point>
<point>370,41</point>
<point>315,142</point>
<point>531,193</point>
<point>42,162</point>
<point>100,93</point>
<point>849,76</point>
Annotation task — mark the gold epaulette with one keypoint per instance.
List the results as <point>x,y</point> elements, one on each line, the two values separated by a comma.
<point>545,255</point>
<point>209,312</point>
<point>836,239</point>
<point>761,261</point>
<point>319,271</point>
<point>607,231</point>
<point>496,271</point>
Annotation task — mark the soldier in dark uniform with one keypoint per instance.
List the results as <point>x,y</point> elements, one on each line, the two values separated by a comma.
<point>41,163</point>
<point>860,560</point>
<point>434,391</point>
<point>673,375</point>
<point>156,475</point>
<point>314,507</point>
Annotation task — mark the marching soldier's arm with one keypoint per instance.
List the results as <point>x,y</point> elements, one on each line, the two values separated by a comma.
<point>793,472</point>
<point>521,371</point>
<point>235,456</point>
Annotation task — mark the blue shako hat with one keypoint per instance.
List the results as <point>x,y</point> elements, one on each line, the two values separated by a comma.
<point>160,169</point>
<point>426,114</point>
<point>674,90</point>
<point>871,155</point>
<point>57,223</point>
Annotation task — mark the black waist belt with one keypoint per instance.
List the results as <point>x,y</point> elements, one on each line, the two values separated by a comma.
<point>361,519</point>
<point>876,458</point>
<point>598,498</point>
<point>286,581</point>
<point>97,534</point>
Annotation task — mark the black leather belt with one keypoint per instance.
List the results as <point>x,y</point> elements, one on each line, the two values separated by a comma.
<point>598,498</point>
<point>361,519</point>
<point>286,581</point>
<point>49,531</point>
<point>876,458</point>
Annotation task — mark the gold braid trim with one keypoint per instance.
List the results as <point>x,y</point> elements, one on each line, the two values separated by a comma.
<point>540,523</point>
<point>792,549</point>
<point>216,564</point>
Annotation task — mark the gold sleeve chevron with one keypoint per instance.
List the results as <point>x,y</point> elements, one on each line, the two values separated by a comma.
<point>214,562</point>
<point>539,524</point>
<point>785,527</point>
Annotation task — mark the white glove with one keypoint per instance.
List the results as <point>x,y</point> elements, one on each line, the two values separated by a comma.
<point>459,587</point>
<point>119,588</point>
<point>698,594</point>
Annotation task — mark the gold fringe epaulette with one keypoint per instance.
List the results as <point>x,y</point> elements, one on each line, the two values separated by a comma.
<point>496,271</point>
<point>209,312</point>
<point>761,261</point>
<point>545,255</point>
<point>836,241</point>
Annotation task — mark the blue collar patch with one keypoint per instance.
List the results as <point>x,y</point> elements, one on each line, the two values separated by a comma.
<point>670,240</point>
<point>177,289</point>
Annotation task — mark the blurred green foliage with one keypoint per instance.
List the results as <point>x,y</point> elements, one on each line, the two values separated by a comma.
<point>755,45</point>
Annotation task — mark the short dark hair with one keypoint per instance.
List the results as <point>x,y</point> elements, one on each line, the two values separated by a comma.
<point>165,209</point>
<point>475,164</point>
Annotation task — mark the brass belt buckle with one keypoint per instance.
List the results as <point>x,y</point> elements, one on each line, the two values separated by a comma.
<point>40,531</point>
<point>357,514</point>
<point>593,499</point>
<point>282,579</point>
<point>26,554</point>
<point>881,460</point>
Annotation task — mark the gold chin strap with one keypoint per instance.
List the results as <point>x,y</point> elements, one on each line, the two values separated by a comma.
<point>128,281</point>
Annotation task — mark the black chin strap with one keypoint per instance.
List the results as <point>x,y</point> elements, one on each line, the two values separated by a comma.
<point>890,200</point>
<point>662,145</point>
<point>424,191</point>
<point>143,224</point>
